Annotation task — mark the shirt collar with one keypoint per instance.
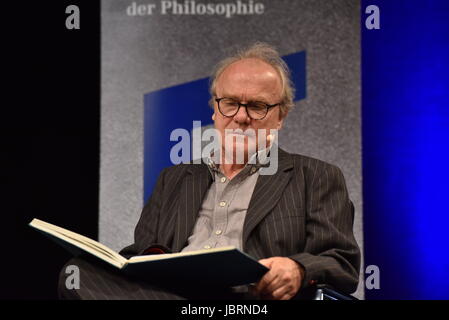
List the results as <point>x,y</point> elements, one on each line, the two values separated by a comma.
<point>257,160</point>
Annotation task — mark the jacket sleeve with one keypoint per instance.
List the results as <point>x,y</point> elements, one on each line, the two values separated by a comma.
<point>145,233</point>
<point>331,255</point>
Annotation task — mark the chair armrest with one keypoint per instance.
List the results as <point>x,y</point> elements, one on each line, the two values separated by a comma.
<point>325,292</point>
<point>321,292</point>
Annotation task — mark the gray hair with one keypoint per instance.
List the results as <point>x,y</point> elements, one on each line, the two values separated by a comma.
<point>268,54</point>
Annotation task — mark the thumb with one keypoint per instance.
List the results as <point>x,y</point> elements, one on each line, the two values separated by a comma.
<point>266,262</point>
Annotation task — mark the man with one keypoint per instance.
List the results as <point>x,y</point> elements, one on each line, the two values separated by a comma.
<point>296,221</point>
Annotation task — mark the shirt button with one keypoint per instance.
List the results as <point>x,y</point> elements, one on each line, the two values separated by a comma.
<point>218,232</point>
<point>222,204</point>
<point>207,247</point>
<point>223,179</point>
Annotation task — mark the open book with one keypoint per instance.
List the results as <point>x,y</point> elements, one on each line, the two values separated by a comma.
<point>225,266</point>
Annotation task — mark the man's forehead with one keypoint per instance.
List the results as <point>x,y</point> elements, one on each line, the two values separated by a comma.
<point>253,77</point>
<point>250,68</point>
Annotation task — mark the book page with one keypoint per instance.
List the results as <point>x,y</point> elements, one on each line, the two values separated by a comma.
<point>85,243</point>
<point>154,257</point>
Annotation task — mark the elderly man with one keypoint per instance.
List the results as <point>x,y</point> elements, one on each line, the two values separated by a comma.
<point>297,221</point>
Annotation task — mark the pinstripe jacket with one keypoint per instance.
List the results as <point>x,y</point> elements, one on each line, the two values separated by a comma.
<point>302,212</point>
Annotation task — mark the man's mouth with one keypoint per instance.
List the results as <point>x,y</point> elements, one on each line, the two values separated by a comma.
<point>247,133</point>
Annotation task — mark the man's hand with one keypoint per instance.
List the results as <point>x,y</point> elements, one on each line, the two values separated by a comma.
<point>282,281</point>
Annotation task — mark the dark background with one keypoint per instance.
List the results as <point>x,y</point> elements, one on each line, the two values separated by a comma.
<point>50,139</point>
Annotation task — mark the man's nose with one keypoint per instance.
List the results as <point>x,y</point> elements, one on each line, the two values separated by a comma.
<point>242,116</point>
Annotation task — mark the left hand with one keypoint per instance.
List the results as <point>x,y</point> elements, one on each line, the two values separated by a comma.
<point>282,281</point>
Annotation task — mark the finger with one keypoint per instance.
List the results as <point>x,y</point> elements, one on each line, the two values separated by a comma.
<point>281,293</point>
<point>286,297</point>
<point>277,283</point>
<point>265,281</point>
<point>268,277</point>
<point>266,262</point>
<point>283,278</point>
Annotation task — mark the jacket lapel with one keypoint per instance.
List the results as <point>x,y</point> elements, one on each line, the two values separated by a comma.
<point>267,192</point>
<point>192,191</point>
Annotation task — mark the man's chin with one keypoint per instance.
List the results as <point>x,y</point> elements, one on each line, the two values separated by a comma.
<point>239,155</point>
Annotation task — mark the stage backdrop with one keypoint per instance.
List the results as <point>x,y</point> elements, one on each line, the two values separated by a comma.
<point>156,57</point>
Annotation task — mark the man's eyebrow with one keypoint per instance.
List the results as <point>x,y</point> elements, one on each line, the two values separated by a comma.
<point>257,98</point>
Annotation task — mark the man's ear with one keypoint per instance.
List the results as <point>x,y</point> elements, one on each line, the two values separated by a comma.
<point>280,123</point>
<point>213,116</point>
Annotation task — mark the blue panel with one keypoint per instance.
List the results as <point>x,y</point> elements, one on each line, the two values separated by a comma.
<point>178,106</point>
<point>405,127</point>
<point>164,111</point>
<point>297,64</point>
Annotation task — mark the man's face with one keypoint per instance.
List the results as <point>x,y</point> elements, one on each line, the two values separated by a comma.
<point>248,80</point>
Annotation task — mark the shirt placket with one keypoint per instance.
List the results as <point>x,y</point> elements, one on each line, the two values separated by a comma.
<point>222,201</point>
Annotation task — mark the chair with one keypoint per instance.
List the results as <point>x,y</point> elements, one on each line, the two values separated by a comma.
<point>322,292</point>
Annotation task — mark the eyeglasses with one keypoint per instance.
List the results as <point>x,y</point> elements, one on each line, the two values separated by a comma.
<point>255,109</point>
